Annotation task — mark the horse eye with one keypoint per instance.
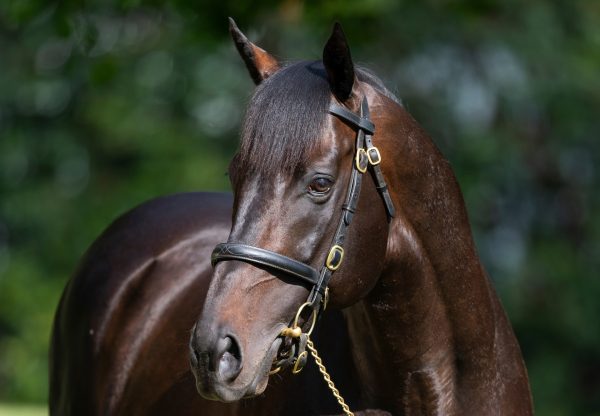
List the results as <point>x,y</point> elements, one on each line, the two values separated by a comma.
<point>320,185</point>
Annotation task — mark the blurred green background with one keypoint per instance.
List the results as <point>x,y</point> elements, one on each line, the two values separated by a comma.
<point>105,105</point>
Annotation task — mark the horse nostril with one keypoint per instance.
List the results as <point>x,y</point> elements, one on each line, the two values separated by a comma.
<point>228,358</point>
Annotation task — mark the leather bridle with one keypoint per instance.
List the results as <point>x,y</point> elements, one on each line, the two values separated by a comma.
<point>367,157</point>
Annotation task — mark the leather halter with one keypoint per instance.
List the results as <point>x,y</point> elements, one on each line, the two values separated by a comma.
<point>366,156</point>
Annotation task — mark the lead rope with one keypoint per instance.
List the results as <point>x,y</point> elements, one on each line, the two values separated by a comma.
<point>327,378</point>
<point>295,332</point>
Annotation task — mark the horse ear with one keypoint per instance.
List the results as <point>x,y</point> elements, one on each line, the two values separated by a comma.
<point>259,62</point>
<point>338,63</point>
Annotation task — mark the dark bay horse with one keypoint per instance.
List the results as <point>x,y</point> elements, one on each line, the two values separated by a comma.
<point>421,330</point>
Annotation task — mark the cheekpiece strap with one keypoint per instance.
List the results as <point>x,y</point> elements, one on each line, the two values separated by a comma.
<point>365,128</point>
<point>367,151</point>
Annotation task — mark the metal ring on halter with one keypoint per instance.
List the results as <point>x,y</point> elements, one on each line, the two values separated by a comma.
<point>299,361</point>
<point>293,330</point>
<point>275,370</point>
<point>314,318</point>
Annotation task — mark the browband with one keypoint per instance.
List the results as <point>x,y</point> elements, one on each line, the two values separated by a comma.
<point>367,157</point>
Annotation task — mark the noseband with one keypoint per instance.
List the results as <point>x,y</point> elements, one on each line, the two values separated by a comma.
<point>366,156</point>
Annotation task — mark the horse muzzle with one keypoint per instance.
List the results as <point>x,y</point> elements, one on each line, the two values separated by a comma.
<point>221,369</point>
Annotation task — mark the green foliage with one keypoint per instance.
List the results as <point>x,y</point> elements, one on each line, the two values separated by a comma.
<point>107,105</point>
<point>22,410</point>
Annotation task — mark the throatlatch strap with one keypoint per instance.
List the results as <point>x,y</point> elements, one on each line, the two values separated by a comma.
<point>383,191</point>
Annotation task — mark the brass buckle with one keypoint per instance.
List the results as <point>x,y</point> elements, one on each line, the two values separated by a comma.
<point>361,159</point>
<point>334,258</point>
<point>373,155</point>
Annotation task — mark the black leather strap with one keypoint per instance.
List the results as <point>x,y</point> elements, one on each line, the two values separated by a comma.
<point>352,195</point>
<point>361,123</point>
<point>377,174</point>
<point>383,191</point>
<point>262,257</point>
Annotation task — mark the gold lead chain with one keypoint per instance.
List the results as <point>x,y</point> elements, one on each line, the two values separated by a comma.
<point>323,370</point>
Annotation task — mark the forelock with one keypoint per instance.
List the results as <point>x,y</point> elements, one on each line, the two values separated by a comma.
<point>285,118</point>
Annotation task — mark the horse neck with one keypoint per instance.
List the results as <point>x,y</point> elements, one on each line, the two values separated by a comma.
<point>432,323</point>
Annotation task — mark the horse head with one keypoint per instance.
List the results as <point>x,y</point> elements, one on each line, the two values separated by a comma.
<point>294,181</point>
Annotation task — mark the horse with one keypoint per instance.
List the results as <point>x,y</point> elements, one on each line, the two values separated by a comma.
<point>429,335</point>
<point>345,220</point>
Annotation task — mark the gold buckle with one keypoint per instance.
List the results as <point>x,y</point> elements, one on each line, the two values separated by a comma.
<point>361,159</point>
<point>373,155</point>
<point>334,258</point>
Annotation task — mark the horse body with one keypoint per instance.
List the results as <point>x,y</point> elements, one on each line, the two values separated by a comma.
<point>137,275</point>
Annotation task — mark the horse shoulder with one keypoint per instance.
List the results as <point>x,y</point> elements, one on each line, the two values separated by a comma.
<point>136,293</point>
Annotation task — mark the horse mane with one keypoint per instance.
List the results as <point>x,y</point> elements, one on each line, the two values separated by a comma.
<point>286,115</point>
